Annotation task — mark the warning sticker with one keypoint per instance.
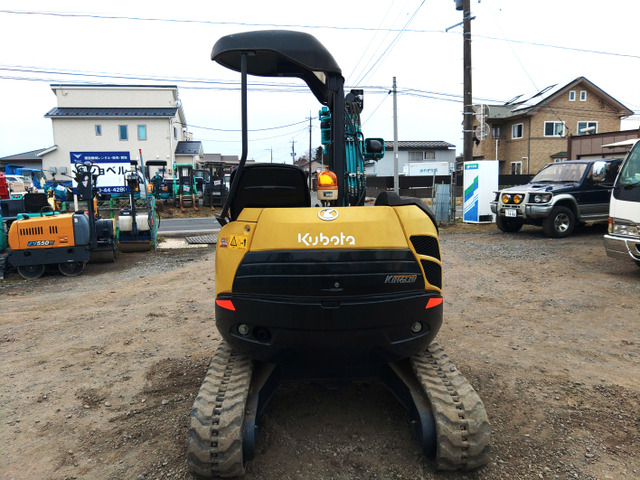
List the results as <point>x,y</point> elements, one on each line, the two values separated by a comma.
<point>238,241</point>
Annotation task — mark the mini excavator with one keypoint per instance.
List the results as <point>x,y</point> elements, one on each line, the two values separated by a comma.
<point>341,291</point>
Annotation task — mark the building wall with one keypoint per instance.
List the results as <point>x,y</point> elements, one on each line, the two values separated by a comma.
<point>116,96</point>
<point>592,146</point>
<point>78,135</point>
<point>384,166</point>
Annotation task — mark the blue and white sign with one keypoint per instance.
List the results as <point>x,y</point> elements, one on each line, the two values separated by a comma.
<point>470,213</point>
<point>112,165</point>
<point>480,184</point>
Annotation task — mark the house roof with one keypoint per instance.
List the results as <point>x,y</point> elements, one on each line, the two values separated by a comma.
<point>530,104</point>
<point>32,155</point>
<point>148,112</point>
<point>189,148</point>
<point>109,85</point>
<point>421,144</point>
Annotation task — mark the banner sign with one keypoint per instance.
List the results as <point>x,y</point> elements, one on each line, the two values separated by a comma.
<point>111,166</point>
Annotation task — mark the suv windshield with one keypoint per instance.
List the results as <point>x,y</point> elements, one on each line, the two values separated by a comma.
<point>630,173</point>
<point>560,173</point>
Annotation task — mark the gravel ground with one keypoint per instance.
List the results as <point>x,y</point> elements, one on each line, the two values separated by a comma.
<point>100,371</point>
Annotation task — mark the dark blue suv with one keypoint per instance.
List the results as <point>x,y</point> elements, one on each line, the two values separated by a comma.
<point>558,197</point>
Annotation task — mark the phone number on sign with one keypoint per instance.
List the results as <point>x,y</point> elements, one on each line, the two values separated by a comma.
<point>113,189</point>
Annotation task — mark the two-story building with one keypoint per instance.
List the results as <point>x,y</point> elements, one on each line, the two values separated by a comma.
<point>104,120</point>
<point>412,153</point>
<point>525,134</point>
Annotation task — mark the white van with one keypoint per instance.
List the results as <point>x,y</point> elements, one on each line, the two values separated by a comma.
<point>623,240</point>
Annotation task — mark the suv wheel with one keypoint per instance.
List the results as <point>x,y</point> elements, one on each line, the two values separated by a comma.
<point>560,223</point>
<point>508,225</point>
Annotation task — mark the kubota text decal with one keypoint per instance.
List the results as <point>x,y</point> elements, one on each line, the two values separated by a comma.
<point>324,240</point>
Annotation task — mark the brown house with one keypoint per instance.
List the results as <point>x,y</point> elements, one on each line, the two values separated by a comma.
<point>526,134</point>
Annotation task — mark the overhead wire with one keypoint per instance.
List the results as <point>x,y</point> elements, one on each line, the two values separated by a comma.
<point>364,52</point>
<point>319,27</point>
<point>391,45</point>
<point>203,22</point>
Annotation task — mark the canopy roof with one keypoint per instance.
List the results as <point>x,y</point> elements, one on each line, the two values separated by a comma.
<point>280,53</point>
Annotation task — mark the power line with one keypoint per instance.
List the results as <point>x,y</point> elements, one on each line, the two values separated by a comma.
<point>288,134</point>
<point>378,30</point>
<point>203,22</point>
<point>316,27</point>
<point>546,45</point>
<point>392,44</point>
<point>250,130</point>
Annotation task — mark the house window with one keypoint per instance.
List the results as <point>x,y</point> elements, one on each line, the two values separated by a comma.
<point>554,129</point>
<point>123,132</point>
<point>416,156</point>
<point>175,133</point>
<point>516,130</point>
<point>495,132</point>
<point>559,159</point>
<point>98,130</point>
<point>587,128</point>
<point>583,95</point>
<point>142,132</point>
<point>516,168</point>
<point>572,96</point>
<point>430,155</point>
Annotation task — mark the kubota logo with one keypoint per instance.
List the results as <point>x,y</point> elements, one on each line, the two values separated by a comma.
<point>335,240</point>
<point>328,214</point>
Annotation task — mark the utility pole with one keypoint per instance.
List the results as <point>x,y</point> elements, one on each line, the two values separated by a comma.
<point>293,153</point>
<point>310,151</point>
<point>396,181</point>
<point>468,97</point>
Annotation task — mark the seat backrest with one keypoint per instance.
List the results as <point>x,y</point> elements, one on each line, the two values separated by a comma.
<point>33,202</point>
<point>268,185</point>
<point>392,199</point>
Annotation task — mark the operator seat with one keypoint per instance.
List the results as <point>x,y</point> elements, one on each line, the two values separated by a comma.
<point>268,185</point>
<point>392,199</point>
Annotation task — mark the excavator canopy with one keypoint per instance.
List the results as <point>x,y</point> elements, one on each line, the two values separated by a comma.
<point>280,53</point>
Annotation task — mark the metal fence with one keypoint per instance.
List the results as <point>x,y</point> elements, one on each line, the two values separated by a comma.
<point>437,191</point>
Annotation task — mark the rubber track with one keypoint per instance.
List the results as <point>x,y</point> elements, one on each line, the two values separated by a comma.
<point>462,426</point>
<point>214,442</point>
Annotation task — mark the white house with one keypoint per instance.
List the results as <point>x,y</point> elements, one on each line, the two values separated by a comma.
<point>412,153</point>
<point>105,121</point>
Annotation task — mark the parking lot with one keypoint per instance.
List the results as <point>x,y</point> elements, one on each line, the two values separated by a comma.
<point>100,370</point>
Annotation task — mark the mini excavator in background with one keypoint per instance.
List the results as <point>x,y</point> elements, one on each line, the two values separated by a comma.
<point>342,291</point>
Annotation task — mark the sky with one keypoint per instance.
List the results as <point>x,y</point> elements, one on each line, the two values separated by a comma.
<point>518,48</point>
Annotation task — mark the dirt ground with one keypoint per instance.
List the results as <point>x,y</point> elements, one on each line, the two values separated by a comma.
<point>99,371</point>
